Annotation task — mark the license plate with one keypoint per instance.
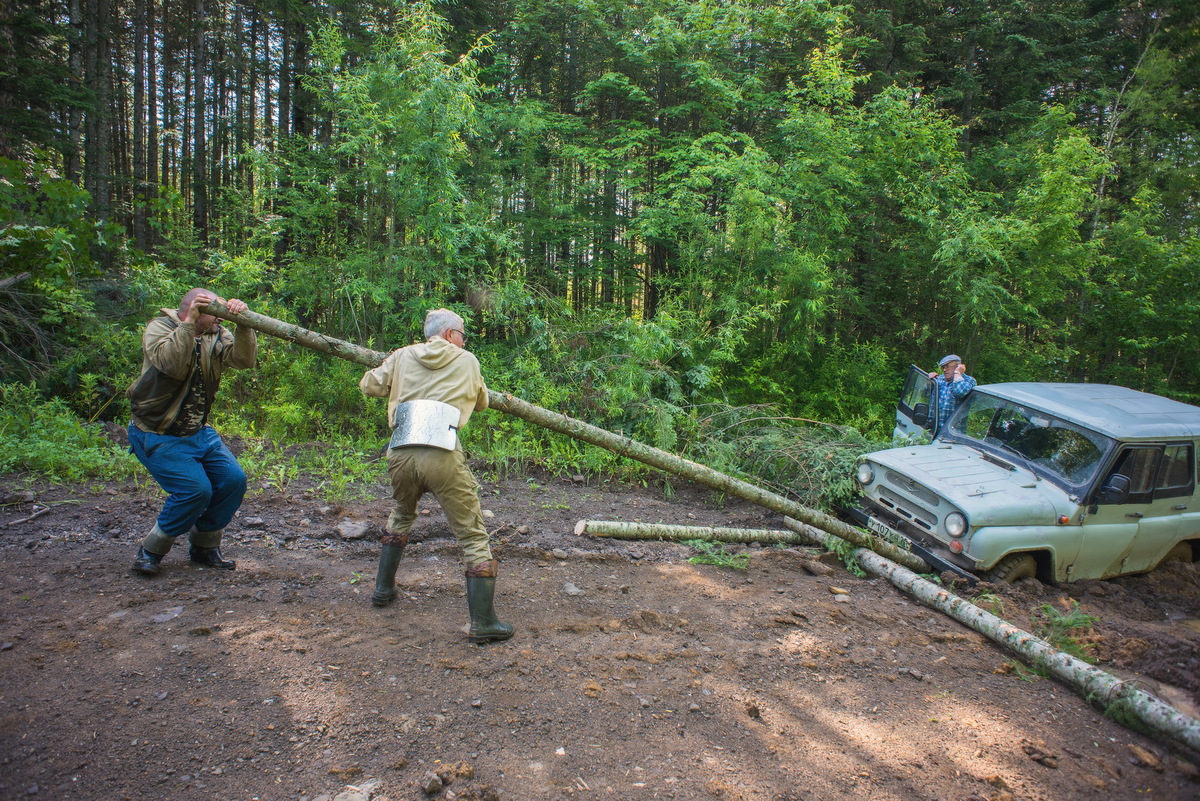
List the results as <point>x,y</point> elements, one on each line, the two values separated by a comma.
<point>879,527</point>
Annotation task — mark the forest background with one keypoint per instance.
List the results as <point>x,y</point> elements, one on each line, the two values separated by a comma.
<point>702,224</point>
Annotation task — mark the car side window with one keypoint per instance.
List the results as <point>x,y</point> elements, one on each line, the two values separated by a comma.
<point>1140,465</point>
<point>1176,473</point>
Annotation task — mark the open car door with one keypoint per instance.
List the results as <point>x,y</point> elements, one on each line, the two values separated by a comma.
<point>916,412</point>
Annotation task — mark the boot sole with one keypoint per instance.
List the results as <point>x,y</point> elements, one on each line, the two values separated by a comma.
<point>381,602</point>
<point>483,639</point>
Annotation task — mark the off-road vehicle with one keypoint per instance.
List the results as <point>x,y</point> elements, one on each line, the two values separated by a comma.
<point>1060,482</point>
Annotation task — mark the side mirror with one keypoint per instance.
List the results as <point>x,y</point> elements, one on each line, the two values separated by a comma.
<point>920,415</point>
<point>1116,489</point>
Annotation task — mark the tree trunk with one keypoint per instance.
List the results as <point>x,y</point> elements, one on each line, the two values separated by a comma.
<point>140,46</point>
<point>596,436</point>
<point>698,473</point>
<point>151,188</point>
<point>1119,698</point>
<point>659,531</point>
<point>199,136</point>
<point>303,336</point>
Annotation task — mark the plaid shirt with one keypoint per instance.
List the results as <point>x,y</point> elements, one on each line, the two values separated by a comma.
<point>950,393</point>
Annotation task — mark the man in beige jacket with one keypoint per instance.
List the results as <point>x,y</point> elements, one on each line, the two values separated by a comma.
<point>441,371</point>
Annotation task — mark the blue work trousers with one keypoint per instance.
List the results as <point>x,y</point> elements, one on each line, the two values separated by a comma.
<point>202,479</point>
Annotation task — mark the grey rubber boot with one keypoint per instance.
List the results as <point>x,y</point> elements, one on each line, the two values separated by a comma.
<point>154,547</point>
<point>385,578</point>
<point>481,590</point>
<point>206,550</point>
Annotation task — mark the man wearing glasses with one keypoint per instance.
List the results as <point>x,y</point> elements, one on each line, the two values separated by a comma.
<point>432,389</point>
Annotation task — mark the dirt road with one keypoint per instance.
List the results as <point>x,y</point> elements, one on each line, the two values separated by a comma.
<point>633,675</point>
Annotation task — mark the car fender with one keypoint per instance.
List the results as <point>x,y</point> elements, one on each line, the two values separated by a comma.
<point>988,545</point>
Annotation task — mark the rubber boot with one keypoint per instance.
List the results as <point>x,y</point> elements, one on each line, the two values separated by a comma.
<point>206,550</point>
<point>385,578</point>
<point>154,547</point>
<point>481,590</point>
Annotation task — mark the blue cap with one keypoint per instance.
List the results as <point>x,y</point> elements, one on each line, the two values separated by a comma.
<point>947,359</point>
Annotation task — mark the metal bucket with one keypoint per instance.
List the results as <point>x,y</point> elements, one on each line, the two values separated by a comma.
<point>425,422</point>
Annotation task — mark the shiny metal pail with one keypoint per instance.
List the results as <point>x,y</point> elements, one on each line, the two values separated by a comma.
<point>425,422</point>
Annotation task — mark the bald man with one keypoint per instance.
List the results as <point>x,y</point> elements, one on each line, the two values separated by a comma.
<point>184,352</point>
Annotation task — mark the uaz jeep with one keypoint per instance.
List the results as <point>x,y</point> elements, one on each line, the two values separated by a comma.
<point>1058,481</point>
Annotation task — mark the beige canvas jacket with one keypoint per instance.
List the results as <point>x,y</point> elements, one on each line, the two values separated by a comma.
<point>433,370</point>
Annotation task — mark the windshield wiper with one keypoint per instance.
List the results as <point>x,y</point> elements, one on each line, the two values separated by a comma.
<point>1024,459</point>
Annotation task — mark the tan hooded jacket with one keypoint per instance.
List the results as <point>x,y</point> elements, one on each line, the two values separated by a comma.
<point>168,360</point>
<point>433,370</point>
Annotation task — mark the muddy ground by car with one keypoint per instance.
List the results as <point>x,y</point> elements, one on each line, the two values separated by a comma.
<point>633,674</point>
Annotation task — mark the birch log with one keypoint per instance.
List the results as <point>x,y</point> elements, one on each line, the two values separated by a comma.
<point>651,531</point>
<point>594,435</point>
<point>1095,685</point>
<point>294,333</point>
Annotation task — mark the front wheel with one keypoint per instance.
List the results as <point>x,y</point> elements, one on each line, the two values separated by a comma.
<point>1012,568</point>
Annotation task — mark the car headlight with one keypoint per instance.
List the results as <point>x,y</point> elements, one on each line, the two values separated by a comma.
<point>956,524</point>
<point>865,473</point>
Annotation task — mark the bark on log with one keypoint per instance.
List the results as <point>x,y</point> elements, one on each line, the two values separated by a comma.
<point>651,531</point>
<point>594,435</point>
<point>294,333</point>
<point>7,283</point>
<point>1095,685</point>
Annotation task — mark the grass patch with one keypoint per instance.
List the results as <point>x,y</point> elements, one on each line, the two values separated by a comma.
<point>711,553</point>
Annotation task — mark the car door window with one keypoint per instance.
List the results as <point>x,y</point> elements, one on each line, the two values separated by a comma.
<point>1140,466</point>
<point>917,388</point>
<point>1176,473</point>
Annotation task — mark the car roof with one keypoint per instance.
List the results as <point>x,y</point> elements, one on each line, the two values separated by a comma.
<point>1119,412</point>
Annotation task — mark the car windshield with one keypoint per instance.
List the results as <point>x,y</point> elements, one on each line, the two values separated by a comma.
<point>1047,444</point>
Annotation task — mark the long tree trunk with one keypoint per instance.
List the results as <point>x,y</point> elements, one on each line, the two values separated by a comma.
<point>140,46</point>
<point>151,188</point>
<point>199,137</point>
<point>1096,686</point>
<point>596,436</point>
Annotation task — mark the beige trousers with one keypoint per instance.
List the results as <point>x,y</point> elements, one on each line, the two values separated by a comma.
<point>416,470</point>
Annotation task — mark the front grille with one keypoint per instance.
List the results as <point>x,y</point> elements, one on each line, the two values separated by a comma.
<point>901,508</point>
<point>912,488</point>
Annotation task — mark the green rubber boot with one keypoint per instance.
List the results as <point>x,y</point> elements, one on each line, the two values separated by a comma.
<point>481,590</point>
<point>385,578</point>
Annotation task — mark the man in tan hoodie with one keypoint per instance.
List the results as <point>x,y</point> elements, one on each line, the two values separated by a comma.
<point>440,371</point>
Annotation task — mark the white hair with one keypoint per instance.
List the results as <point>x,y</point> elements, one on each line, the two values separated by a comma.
<point>439,321</point>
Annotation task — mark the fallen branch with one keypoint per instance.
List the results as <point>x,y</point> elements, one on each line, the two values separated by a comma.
<point>1095,685</point>
<point>33,516</point>
<point>6,283</point>
<point>660,531</point>
<point>594,435</point>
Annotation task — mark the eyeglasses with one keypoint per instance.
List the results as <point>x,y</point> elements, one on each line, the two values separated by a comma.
<point>460,333</point>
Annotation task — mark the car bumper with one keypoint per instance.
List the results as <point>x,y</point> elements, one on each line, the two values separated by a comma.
<point>935,554</point>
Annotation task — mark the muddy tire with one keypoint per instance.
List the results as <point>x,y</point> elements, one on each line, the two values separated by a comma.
<point>1182,552</point>
<point>1014,567</point>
